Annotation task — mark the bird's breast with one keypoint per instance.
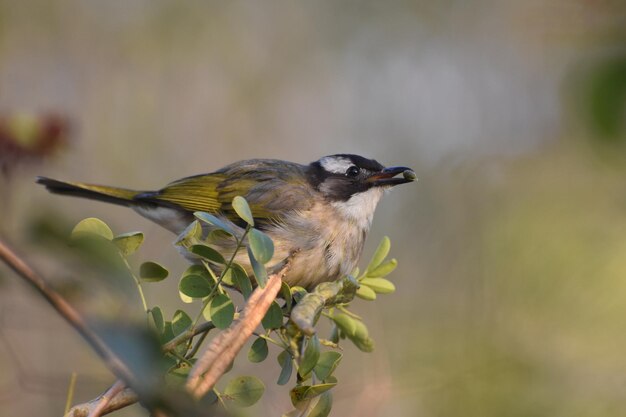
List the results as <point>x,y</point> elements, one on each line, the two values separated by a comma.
<point>329,245</point>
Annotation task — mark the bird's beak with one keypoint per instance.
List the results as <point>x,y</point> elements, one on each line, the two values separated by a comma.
<point>386,176</point>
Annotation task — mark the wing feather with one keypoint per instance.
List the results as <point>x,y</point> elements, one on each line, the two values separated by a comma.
<point>271,187</point>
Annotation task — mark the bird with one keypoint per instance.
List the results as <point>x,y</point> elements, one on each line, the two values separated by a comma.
<point>323,210</point>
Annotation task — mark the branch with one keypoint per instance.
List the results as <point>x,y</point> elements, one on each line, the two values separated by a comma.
<point>225,346</point>
<point>183,337</point>
<point>105,403</point>
<point>66,310</point>
<point>117,397</point>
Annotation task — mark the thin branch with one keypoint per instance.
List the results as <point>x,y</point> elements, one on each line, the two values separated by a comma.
<point>66,310</point>
<point>105,399</point>
<point>183,337</point>
<point>225,346</point>
<point>122,399</point>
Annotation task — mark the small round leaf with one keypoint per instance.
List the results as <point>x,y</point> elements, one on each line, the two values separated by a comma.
<point>286,365</point>
<point>92,226</point>
<point>222,311</point>
<point>258,351</point>
<point>180,322</point>
<point>245,390</point>
<point>273,319</point>
<point>241,280</point>
<point>207,253</point>
<point>157,319</point>
<point>194,286</point>
<point>128,243</point>
<point>261,245</point>
<point>323,406</point>
<point>259,270</point>
<point>310,357</point>
<point>306,392</point>
<point>243,210</point>
<point>326,364</point>
<point>214,221</point>
<point>152,272</point>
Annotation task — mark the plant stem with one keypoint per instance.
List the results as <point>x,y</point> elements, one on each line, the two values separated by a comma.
<point>228,265</point>
<point>139,288</point>
<point>196,347</point>
<point>70,393</point>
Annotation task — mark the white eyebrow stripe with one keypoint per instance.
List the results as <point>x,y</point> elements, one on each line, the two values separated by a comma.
<point>336,165</point>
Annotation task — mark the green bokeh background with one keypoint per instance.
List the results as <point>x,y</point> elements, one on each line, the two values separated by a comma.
<point>512,246</point>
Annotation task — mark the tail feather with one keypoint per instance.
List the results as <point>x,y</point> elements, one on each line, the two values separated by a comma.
<point>120,196</point>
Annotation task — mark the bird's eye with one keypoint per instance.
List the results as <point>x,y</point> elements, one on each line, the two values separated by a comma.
<point>353,171</point>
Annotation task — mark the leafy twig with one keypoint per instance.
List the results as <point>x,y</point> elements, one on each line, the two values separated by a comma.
<point>223,348</point>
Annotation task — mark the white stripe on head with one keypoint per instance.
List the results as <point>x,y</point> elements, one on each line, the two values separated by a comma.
<point>336,164</point>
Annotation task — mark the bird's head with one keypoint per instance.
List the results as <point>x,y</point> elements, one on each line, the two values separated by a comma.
<point>342,177</point>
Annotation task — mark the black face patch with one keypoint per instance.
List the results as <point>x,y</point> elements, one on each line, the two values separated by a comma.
<point>341,186</point>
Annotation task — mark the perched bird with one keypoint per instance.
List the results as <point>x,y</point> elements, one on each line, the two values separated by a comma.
<point>323,210</point>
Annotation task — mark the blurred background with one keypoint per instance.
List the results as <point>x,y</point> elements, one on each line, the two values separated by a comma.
<point>512,246</point>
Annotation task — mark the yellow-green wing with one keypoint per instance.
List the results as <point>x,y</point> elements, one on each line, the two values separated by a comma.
<point>197,193</point>
<point>271,187</point>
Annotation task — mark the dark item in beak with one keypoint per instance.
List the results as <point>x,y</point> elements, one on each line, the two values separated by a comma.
<point>386,176</point>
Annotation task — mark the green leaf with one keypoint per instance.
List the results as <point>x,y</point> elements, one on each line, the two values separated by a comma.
<point>323,406</point>
<point>92,226</point>
<point>261,245</point>
<point>379,285</point>
<point>214,221</point>
<point>128,243</point>
<point>286,365</point>
<point>306,392</point>
<point>361,338</point>
<point>285,292</point>
<point>243,210</point>
<point>222,311</point>
<point>298,293</point>
<point>379,256</point>
<point>273,319</point>
<point>259,270</point>
<point>152,272</point>
<point>245,390</point>
<point>384,269</point>
<point>310,357</point>
<point>241,280</point>
<point>190,235</point>
<point>346,323</point>
<point>194,286</point>
<point>326,364</point>
<point>157,319</point>
<point>366,293</point>
<point>168,333</point>
<point>207,253</point>
<point>258,351</point>
<point>180,322</point>
<point>185,298</point>
<point>334,334</point>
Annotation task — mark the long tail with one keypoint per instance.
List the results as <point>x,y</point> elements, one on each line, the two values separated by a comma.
<point>113,195</point>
